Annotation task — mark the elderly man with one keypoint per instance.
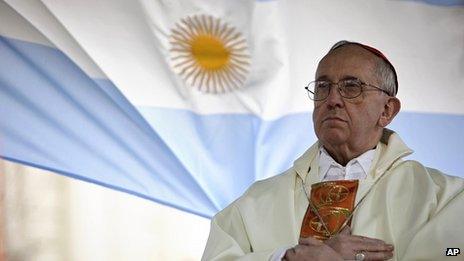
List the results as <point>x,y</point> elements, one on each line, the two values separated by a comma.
<point>351,195</point>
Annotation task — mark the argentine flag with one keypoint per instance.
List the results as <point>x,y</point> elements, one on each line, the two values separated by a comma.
<point>187,103</point>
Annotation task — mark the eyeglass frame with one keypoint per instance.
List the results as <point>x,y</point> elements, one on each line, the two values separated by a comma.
<point>363,85</point>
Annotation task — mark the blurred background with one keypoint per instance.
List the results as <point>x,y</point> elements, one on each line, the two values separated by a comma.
<point>48,217</point>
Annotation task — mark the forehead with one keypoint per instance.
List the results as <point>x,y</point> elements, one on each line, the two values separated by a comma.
<point>348,61</point>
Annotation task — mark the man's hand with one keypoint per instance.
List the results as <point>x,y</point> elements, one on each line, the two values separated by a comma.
<point>311,249</point>
<point>347,246</point>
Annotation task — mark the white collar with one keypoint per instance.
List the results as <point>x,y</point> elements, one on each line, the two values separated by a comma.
<point>326,161</point>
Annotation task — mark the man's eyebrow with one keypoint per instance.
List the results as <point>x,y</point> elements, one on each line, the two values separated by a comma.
<point>349,77</point>
<point>323,78</point>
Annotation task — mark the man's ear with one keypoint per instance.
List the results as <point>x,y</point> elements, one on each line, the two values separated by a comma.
<point>391,108</point>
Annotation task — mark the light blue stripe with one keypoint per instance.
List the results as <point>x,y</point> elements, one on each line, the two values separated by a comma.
<point>226,150</point>
<point>265,148</point>
<point>442,2</point>
<point>57,118</point>
<point>437,139</point>
<point>111,186</point>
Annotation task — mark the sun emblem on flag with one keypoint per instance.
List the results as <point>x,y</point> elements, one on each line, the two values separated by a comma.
<point>209,54</point>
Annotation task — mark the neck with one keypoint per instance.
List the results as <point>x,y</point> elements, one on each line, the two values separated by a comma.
<point>343,153</point>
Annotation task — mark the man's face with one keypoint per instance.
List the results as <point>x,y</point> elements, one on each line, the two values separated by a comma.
<point>348,122</point>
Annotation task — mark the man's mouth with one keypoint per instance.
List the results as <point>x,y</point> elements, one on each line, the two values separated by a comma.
<point>333,119</point>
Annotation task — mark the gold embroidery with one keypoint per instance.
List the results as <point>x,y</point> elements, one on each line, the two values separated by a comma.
<point>333,202</point>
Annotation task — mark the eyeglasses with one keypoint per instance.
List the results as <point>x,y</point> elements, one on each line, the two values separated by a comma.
<point>349,89</point>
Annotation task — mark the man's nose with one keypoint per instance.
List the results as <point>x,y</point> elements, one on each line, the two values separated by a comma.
<point>334,99</point>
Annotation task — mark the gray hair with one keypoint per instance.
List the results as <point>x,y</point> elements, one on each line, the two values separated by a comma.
<point>386,76</point>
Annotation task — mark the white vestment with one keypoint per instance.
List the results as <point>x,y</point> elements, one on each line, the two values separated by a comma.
<point>417,209</point>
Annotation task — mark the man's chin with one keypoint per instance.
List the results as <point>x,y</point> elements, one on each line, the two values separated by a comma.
<point>333,137</point>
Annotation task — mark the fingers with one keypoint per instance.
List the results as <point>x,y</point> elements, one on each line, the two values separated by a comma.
<point>374,249</point>
<point>371,244</point>
<point>347,246</point>
<point>312,252</point>
<point>309,241</point>
<point>378,255</point>
<point>294,252</point>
